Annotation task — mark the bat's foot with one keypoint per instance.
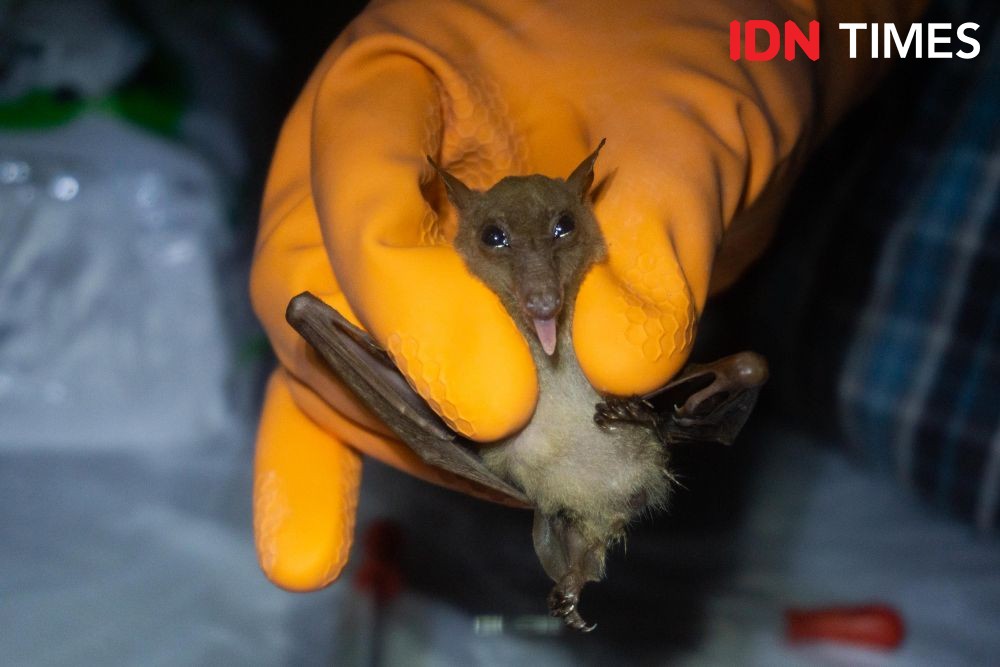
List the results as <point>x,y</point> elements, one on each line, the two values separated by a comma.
<point>632,410</point>
<point>563,604</point>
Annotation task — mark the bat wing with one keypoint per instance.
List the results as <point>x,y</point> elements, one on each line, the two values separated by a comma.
<point>361,364</point>
<point>710,402</point>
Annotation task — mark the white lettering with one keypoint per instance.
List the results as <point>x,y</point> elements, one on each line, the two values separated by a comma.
<point>853,27</point>
<point>914,36</point>
<point>971,41</point>
<point>933,40</point>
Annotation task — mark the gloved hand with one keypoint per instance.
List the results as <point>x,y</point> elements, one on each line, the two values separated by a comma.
<point>700,152</point>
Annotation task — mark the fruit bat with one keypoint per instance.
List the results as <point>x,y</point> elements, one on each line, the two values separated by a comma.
<point>587,463</point>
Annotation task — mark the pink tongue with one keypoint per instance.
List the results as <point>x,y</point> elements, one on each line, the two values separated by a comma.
<point>546,330</point>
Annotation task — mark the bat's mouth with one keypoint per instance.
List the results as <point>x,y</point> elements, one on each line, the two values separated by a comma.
<point>541,307</point>
<point>547,331</point>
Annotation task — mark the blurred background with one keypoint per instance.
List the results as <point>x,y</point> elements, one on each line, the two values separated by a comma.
<point>134,139</point>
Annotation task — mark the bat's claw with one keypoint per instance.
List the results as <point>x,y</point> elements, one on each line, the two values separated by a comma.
<point>632,410</point>
<point>563,604</point>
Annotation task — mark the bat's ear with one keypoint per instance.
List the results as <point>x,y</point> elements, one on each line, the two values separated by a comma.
<point>460,194</point>
<point>583,176</point>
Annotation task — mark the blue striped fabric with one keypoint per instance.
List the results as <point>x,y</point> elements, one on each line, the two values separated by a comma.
<point>920,389</point>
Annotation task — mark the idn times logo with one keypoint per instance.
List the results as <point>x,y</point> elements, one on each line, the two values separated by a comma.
<point>931,40</point>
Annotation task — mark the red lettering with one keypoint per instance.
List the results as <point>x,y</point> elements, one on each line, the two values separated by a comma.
<point>734,40</point>
<point>795,37</point>
<point>774,40</point>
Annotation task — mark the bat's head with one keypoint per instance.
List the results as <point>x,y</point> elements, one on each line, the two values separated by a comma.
<point>531,239</point>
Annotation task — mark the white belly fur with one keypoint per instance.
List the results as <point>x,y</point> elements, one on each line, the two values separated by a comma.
<point>564,461</point>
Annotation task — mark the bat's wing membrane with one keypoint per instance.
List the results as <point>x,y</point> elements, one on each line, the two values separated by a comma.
<point>710,402</point>
<point>361,364</point>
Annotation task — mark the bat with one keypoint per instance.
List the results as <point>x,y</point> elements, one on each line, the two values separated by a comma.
<point>587,463</point>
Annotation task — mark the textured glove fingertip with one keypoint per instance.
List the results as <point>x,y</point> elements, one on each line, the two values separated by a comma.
<point>305,495</point>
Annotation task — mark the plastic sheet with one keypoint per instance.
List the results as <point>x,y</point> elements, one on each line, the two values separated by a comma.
<point>111,329</point>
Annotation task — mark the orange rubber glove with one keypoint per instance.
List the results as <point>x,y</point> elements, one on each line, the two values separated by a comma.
<point>700,152</point>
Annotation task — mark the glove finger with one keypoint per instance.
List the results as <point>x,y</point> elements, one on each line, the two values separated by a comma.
<point>635,321</point>
<point>636,314</point>
<point>305,495</point>
<point>291,258</point>
<point>377,114</point>
<point>679,173</point>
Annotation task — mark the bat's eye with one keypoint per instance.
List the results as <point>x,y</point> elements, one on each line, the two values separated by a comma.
<point>495,237</point>
<point>564,226</point>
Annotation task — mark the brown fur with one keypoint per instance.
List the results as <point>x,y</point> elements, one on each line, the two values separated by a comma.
<point>589,480</point>
<point>562,460</point>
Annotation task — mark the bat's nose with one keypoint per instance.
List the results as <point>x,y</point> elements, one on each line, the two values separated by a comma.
<point>542,305</point>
